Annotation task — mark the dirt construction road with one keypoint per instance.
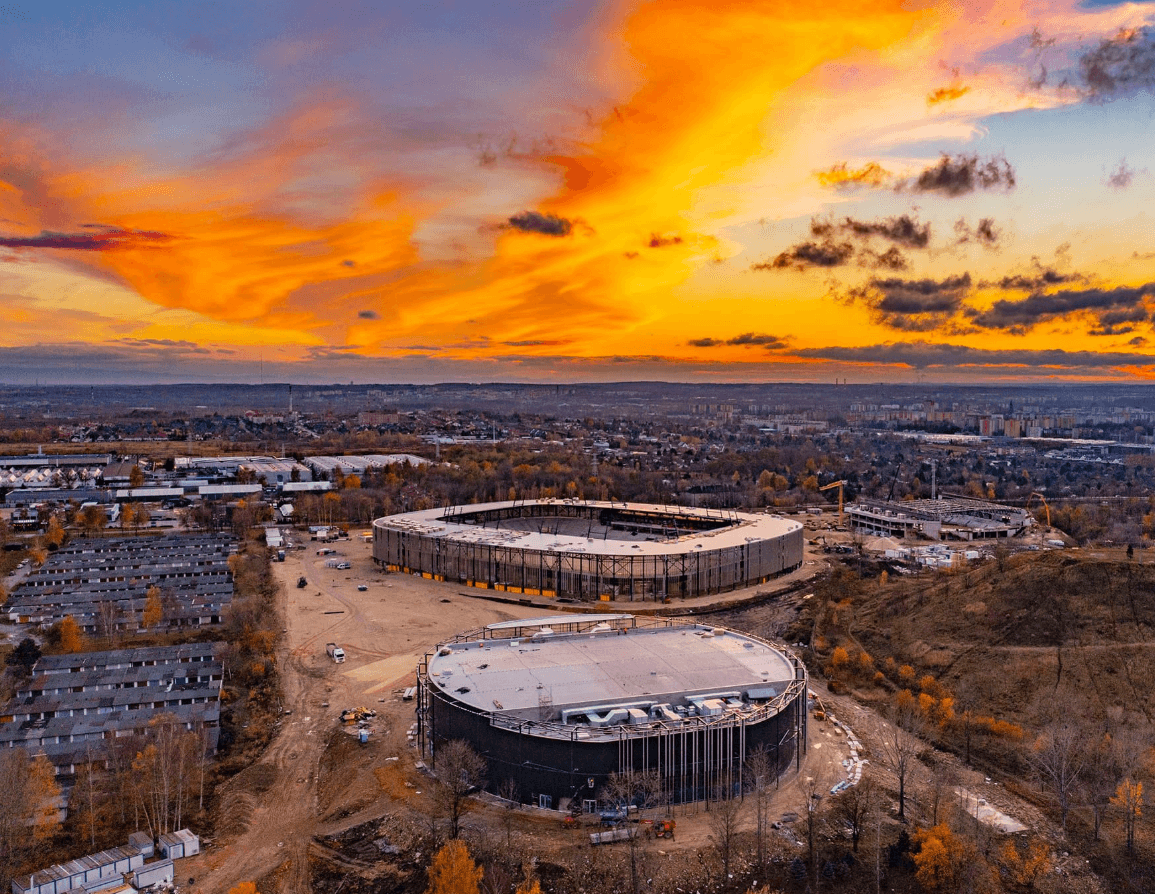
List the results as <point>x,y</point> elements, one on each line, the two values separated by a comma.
<point>271,812</point>
<point>272,807</point>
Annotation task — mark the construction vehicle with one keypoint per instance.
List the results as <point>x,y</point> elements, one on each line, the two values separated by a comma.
<point>613,816</point>
<point>663,829</point>
<point>335,652</point>
<point>357,715</point>
<point>839,485</point>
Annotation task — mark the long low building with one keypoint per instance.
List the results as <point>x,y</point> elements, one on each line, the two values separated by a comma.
<point>74,705</point>
<point>106,870</point>
<point>103,584</point>
<point>590,550</point>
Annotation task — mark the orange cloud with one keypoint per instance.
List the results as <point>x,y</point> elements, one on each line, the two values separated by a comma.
<point>946,94</point>
<point>316,230</point>
<point>842,176</point>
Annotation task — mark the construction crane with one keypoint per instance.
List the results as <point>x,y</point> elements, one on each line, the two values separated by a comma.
<point>839,485</point>
<point>1045,506</point>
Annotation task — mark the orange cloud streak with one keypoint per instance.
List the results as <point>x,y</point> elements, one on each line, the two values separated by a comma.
<point>297,226</point>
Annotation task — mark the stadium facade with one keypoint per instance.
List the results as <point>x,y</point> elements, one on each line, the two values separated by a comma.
<point>559,704</point>
<point>584,550</point>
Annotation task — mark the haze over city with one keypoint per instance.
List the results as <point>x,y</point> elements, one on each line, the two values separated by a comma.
<point>564,192</point>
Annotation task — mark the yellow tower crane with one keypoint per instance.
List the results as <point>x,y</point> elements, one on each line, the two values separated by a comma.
<point>1045,506</point>
<point>839,485</point>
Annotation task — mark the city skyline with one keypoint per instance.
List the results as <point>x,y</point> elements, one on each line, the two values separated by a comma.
<point>675,190</point>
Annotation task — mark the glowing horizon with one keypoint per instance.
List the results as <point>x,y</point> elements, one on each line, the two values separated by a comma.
<point>678,189</point>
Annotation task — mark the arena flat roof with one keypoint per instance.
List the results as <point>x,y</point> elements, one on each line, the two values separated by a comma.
<point>607,667</point>
<point>745,527</point>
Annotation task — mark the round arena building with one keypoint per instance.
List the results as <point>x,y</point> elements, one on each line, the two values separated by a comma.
<point>558,704</point>
<point>584,550</point>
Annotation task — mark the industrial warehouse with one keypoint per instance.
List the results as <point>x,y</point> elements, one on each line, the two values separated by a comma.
<point>103,584</point>
<point>585,550</point>
<point>73,705</point>
<point>558,704</point>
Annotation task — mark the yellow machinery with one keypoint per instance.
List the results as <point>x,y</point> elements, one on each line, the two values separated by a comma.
<point>1045,506</point>
<point>839,485</point>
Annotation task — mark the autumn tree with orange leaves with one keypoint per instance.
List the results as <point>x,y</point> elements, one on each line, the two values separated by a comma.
<point>452,870</point>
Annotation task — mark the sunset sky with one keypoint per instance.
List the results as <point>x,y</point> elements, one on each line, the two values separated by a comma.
<point>572,191</point>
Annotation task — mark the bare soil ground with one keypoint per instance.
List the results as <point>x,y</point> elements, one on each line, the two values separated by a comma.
<point>317,798</point>
<point>270,812</point>
<point>315,782</point>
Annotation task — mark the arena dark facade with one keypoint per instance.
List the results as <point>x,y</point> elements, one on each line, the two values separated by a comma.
<point>590,550</point>
<point>558,704</point>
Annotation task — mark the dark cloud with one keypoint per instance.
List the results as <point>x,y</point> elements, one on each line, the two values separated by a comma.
<point>1120,176</point>
<point>748,339</point>
<point>1120,322</point>
<point>921,354</point>
<point>103,239</point>
<point>368,314</point>
<point>1019,316</point>
<point>657,240</point>
<point>957,175</point>
<point>545,224</point>
<point>831,247</point>
<point>534,343</point>
<point>922,295</point>
<point>1040,279</point>
<point>1119,66</point>
<point>985,234</point>
<point>827,253</point>
<point>891,259</point>
<point>913,305</point>
<point>903,230</point>
<point>181,344</point>
<point>759,339</point>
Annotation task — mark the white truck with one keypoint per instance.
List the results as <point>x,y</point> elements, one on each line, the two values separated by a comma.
<point>335,652</point>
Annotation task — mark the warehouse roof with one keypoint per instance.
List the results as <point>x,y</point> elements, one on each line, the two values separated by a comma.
<point>609,664</point>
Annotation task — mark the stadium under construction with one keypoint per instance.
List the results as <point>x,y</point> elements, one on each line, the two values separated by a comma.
<point>559,704</point>
<point>587,550</point>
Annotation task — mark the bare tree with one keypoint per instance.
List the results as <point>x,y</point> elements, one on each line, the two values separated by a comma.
<point>761,767</point>
<point>942,781</point>
<point>642,790</point>
<point>508,792</point>
<point>724,828</point>
<point>460,770</point>
<point>1059,758</point>
<point>810,821</point>
<point>108,616</point>
<point>855,806</point>
<point>901,746</point>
